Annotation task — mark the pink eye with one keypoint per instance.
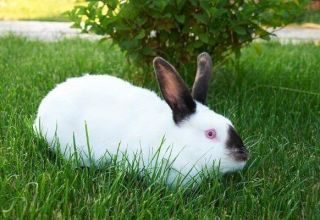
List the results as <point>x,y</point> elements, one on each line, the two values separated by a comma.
<point>211,133</point>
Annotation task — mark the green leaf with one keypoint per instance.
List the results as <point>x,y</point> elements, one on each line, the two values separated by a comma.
<point>194,2</point>
<point>204,37</point>
<point>202,18</point>
<point>240,30</point>
<point>205,5</point>
<point>141,21</point>
<point>148,51</point>
<point>129,44</point>
<point>112,4</point>
<point>197,44</point>
<point>141,34</point>
<point>180,4</point>
<point>180,18</point>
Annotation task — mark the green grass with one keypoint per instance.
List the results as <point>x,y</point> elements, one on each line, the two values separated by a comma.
<point>48,10</point>
<point>310,16</point>
<point>273,98</point>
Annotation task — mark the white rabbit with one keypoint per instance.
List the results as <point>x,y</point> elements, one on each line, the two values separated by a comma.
<point>120,117</point>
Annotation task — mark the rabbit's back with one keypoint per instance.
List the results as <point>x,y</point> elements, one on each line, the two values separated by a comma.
<point>104,108</point>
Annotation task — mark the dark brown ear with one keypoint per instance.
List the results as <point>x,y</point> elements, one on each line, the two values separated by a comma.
<point>174,90</point>
<point>203,76</point>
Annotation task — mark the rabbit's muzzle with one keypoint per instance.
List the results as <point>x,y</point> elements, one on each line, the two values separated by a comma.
<point>235,146</point>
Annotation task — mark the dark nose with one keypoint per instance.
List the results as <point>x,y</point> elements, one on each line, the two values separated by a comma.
<point>240,154</point>
<point>236,147</point>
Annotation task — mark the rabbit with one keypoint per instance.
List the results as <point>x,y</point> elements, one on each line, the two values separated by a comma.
<point>112,115</point>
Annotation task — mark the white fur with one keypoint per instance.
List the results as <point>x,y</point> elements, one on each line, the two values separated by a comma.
<point>117,112</point>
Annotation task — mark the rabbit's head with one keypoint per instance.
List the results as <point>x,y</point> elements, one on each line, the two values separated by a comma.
<point>206,132</point>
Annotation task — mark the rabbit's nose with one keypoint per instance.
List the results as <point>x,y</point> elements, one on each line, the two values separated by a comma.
<point>240,154</point>
<point>236,147</point>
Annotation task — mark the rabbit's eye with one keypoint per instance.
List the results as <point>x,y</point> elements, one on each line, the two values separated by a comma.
<point>211,133</point>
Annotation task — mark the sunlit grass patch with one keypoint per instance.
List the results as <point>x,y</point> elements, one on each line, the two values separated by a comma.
<point>35,9</point>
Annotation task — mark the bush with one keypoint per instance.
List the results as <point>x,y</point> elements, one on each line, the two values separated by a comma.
<point>180,29</point>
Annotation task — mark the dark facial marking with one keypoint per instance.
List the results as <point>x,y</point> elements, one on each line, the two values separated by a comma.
<point>236,146</point>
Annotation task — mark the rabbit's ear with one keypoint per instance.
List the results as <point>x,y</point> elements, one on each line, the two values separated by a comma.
<point>174,90</point>
<point>203,76</point>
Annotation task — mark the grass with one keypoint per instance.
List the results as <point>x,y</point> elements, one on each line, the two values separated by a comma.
<point>273,98</point>
<point>310,16</point>
<point>48,10</point>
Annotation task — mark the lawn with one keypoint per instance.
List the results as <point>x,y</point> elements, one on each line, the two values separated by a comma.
<point>273,98</point>
<point>310,16</point>
<point>35,9</point>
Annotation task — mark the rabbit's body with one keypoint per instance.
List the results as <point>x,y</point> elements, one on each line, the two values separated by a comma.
<point>111,116</point>
<point>114,116</point>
